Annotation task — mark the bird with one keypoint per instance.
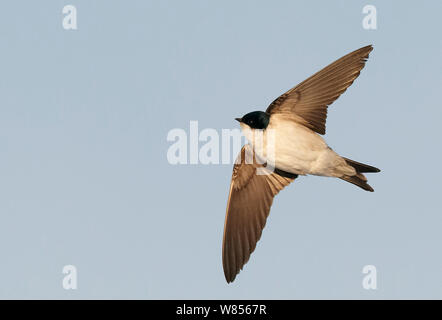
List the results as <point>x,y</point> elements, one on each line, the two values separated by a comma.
<point>296,121</point>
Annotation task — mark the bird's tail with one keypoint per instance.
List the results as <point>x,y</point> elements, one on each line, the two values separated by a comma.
<point>359,179</point>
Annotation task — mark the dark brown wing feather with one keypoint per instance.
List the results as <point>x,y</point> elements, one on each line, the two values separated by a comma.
<point>308,101</point>
<point>250,198</point>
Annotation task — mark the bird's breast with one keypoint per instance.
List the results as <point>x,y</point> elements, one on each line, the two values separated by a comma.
<point>286,145</point>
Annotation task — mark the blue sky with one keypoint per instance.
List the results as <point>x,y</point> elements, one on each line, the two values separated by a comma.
<point>84,176</point>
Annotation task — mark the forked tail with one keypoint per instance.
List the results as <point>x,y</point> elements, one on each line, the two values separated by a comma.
<point>359,179</point>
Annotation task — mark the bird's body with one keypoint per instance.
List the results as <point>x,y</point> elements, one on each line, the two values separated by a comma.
<point>294,148</point>
<point>285,142</point>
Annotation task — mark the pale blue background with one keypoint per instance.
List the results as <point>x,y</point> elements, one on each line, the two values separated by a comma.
<point>84,177</point>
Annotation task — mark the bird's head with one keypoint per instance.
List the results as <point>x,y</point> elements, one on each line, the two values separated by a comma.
<point>255,120</point>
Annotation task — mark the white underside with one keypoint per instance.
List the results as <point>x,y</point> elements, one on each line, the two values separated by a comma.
<point>295,148</point>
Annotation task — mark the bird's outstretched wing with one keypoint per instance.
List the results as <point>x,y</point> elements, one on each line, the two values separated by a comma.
<point>307,102</point>
<point>251,195</point>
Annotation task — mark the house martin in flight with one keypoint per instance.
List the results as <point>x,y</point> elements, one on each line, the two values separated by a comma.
<point>296,121</point>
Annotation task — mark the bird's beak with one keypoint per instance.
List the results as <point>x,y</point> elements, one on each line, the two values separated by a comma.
<point>238,119</point>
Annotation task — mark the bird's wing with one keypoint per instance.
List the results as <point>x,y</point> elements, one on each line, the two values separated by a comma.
<point>251,195</point>
<point>307,102</point>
